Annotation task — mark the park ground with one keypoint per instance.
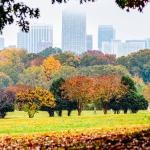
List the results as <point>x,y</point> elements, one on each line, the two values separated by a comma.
<point>18,122</point>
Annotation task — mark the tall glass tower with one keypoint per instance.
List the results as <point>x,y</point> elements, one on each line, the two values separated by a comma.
<point>74,31</point>
<point>89,42</point>
<point>106,34</point>
<point>38,38</point>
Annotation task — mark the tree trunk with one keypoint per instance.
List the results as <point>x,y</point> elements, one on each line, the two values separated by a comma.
<point>79,108</point>
<point>94,110</point>
<point>2,114</point>
<point>118,112</point>
<point>31,113</point>
<point>105,111</point>
<point>69,112</point>
<point>105,108</point>
<point>51,112</point>
<point>134,111</point>
<point>60,113</point>
<point>125,111</point>
<point>79,112</point>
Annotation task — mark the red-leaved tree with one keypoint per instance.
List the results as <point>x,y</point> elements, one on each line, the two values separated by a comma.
<point>80,89</point>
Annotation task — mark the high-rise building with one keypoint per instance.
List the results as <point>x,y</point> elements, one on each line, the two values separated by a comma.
<point>131,46</point>
<point>116,47</point>
<point>147,43</point>
<point>23,40</point>
<point>106,33</point>
<point>73,31</point>
<point>38,38</point>
<point>106,47</point>
<point>1,43</point>
<point>134,45</point>
<point>89,42</point>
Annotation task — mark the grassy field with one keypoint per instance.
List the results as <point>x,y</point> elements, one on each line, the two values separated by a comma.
<point>19,123</point>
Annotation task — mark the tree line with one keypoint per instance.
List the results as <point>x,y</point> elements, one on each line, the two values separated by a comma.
<point>53,80</point>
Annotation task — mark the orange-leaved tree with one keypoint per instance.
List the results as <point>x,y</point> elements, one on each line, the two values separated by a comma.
<point>79,89</point>
<point>108,87</point>
<point>50,66</point>
<point>33,99</point>
<point>146,92</point>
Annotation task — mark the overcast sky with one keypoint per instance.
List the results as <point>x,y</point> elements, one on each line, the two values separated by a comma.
<point>132,25</point>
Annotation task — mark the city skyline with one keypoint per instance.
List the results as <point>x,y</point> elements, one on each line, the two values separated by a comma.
<point>41,37</point>
<point>133,25</point>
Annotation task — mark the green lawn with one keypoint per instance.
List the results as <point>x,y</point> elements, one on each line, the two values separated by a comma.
<point>19,123</point>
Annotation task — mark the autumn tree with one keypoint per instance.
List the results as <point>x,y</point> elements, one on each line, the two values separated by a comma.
<point>33,99</point>
<point>50,66</point>
<point>107,88</point>
<point>29,58</point>
<point>18,88</point>
<point>93,57</point>
<point>79,89</point>
<point>68,58</point>
<point>33,77</point>
<point>139,84</point>
<point>11,62</point>
<point>5,80</point>
<point>146,93</point>
<point>7,102</point>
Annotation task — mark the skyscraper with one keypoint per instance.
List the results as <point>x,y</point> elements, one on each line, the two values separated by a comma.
<point>38,38</point>
<point>106,34</point>
<point>147,43</point>
<point>89,42</point>
<point>135,45</point>
<point>74,31</point>
<point>23,40</point>
<point>1,43</point>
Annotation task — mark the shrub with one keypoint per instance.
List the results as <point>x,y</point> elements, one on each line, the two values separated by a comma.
<point>7,102</point>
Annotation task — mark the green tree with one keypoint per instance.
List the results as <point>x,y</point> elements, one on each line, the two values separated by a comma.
<point>68,58</point>
<point>133,100</point>
<point>33,77</point>
<point>5,80</point>
<point>61,103</point>
<point>50,51</point>
<point>65,72</point>
<point>55,89</point>
<point>138,64</point>
<point>101,70</point>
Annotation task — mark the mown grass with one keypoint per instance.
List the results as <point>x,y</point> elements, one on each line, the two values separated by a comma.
<point>19,123</point>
